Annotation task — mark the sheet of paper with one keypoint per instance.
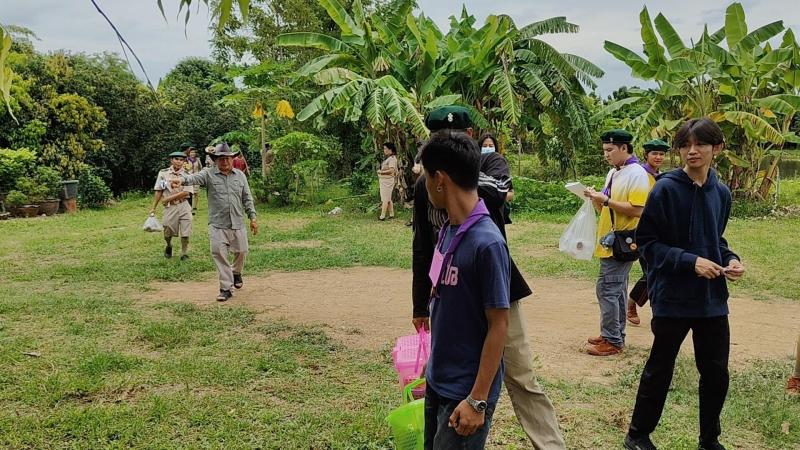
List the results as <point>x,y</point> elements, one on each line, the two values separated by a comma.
<point>576,188</point>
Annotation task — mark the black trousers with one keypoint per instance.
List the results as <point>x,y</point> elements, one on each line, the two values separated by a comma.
<point>711,338</point>
<point>639,291</point>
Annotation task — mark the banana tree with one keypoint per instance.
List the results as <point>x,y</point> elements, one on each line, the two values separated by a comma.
<point>731,76</point>
<point>361,73</point>
<point>557,82</point>
<point>221,9</point>
<point>6,74</point>
<point>357,72</point>
<point>386,69</point>
<point>514,77</point>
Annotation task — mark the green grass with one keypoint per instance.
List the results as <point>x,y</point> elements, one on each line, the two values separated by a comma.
<point>768,248</point>
<point>789,194</point>
<point>117,373</point>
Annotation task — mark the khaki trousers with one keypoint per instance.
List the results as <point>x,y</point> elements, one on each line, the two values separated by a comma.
<point>223,242</point>
<point>532,407</point>
<point>177,220</point>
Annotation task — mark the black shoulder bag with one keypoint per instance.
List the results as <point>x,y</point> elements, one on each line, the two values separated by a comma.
<point>624,247</point>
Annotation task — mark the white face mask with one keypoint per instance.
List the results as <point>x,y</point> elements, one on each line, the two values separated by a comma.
<point>485,150</point>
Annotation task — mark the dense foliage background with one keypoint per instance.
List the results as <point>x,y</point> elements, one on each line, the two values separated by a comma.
<point>326,83</point>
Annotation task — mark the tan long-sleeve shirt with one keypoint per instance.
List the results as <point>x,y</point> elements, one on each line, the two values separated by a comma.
<point>229,197</point>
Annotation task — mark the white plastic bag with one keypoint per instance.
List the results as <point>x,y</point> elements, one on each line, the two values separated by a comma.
<point>152,225</point>
<point>579,237</point>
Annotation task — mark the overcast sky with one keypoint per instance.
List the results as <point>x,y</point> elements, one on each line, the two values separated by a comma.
<point>75,25</point>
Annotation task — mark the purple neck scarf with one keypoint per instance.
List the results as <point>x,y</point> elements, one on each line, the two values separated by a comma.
<point>650,170</point>
<point>632,160</point>
<point>477,213</point>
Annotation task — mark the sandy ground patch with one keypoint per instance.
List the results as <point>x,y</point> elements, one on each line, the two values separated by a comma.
<point>369,307</point>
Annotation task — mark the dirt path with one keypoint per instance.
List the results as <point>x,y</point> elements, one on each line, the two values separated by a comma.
<point>369,307</point>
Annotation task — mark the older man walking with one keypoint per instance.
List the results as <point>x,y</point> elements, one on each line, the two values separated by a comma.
<point>229,199</point>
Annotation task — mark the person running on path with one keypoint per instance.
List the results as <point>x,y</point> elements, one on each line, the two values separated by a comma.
<point>688,261</point>
<point>177,219</point>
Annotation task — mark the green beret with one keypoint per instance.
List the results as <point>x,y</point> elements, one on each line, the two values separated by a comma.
<point>616,136</point>
<point>177,155</point>
<point>448,117</point>
<point>187,145</point>
<point>656,145</point>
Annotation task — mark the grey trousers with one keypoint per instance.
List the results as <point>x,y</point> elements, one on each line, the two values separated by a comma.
<point>223,242</point>
<point>612,295</point>
<point>531,406</point>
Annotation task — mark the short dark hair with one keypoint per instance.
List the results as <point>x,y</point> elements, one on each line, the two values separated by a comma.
<point>454,153</point>
<point>620,144</point>
<point>491,137</point>
<point>391,147</point>
<point>703,130</point>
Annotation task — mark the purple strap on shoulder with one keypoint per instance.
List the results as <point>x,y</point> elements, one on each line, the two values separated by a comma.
<point>477,213</point>
<point>632,160</point>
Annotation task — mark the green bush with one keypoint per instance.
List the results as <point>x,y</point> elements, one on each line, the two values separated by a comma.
<point>50,179</point>
<point>258,186</point>
<point>92,190</point>
<point>16,199</point>
<point>547,197</point>
<point>304,149</point>
<point>310,176</point>
<point>13,165</point>
<point>362,176</point>
<point>32,189</point>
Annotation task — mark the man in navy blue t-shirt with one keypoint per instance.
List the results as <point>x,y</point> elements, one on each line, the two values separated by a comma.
<point>469,301</point>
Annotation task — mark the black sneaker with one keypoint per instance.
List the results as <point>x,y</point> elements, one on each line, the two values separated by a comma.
<point>168,252</point>
<point>237,281</point>
<point>184,257</point>
<point>642,443</point>
<point>224,295</point>
<point>710,446</point>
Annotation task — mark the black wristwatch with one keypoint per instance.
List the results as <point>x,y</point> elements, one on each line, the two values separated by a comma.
<point>477,405</point>
<point>605,202</point>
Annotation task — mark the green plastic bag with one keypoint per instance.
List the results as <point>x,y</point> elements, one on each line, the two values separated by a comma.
<point>408,421</point>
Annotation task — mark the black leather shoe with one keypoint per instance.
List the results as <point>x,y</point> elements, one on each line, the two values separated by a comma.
<point>237,281</point>
<point>184,257</point>
<point>168,252</point>
<point>710,446</point>
<point>642,443</point>
<point>224,295</point>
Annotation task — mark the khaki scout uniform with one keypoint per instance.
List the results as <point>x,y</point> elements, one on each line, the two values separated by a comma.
<point>177,218</point>
<point>229,199</point>
<point>190,168</point>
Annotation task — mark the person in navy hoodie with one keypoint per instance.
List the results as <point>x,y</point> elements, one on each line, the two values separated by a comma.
<point>688,260</point>
<point>469,301</point>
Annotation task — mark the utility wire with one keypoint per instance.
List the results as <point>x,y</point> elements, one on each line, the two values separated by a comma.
<point>124,44</point>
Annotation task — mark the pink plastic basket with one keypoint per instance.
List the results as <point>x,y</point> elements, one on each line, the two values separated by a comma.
<point>410,354</point>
